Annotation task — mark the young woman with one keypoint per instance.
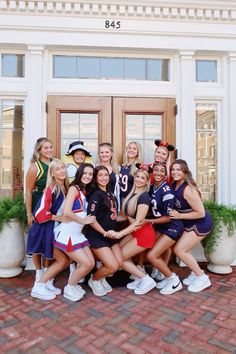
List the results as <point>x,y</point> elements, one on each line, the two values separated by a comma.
<point>136,206</point>
<point>69,237</point>
<point>76,155</point>
<point>41,234</point>
<point>132,155</point>
<point>162,153</point>
<point>36,179</point>
<point>197,223</point>
<point>107,158</point>
<point>169,230</point>
<point>103,205</point>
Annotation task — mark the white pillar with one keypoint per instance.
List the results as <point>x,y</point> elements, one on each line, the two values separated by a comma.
<point>34,108</point>
<point>186,130</point>
<point>230,153</point>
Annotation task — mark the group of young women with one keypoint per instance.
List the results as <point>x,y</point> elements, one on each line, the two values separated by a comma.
<point>80,223</point>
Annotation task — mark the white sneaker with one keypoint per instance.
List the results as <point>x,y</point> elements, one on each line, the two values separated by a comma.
<point>174,284</point>
<point>40,291</point>
<point>97,287</point>
<point>146,284</point>
<point>80,289</point>
<point>107,287</point>
<point>52,288</point>
<point>163,283</point>
<point>200,283</point>
<point>72,293</point>
<point>191,277</point>
<point>133,285</point>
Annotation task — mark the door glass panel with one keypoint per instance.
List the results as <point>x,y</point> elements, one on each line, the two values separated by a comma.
<point>79,126</point>
<point>11,152</point>
<point>144,128</point>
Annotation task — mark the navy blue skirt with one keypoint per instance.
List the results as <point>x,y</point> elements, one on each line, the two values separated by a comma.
<point>201,227</point>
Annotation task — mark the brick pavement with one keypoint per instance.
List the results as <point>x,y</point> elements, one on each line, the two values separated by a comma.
<point>120,322</point>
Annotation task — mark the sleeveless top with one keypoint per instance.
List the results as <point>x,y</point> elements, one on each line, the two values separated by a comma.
<point>40,184</point>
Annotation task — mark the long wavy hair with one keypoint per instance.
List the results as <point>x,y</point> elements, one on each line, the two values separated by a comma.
<point>188,174</point>
<point>51,181</point>
<point>87,188</point>
<point>113,161</point>
<point>37,148</point>
<point>138,159</point>
<point>132,200</point>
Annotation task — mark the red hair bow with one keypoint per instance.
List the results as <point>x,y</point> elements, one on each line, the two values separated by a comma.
<point>143,167</point>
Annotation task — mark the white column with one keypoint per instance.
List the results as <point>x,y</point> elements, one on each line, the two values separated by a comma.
<point>230,153</point>
<point>34,108</point>
<point>186,114</point>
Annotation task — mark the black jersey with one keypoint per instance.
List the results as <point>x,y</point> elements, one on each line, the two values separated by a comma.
<point>126,181</point>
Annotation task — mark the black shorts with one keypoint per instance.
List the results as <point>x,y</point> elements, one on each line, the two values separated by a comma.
<point>97,240</point>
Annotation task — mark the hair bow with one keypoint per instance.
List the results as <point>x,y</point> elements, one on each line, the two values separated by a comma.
<point>169,147</point>
<point>144,167</point>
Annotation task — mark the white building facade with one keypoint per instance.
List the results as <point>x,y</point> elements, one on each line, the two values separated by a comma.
<point>119,71</point>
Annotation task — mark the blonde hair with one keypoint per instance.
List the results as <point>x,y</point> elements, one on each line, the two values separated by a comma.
<point>133,200</point>
<point>38,145</point>
<point>51,181</point>
<point>138,159</point>
<point>114,164</point>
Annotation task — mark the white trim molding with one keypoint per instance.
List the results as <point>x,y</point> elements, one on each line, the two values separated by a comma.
<point>206,11</point>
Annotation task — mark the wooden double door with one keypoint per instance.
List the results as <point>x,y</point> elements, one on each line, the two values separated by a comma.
<point>117,120</point>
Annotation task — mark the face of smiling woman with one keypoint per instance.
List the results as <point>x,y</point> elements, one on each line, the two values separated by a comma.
<point>140,180</point>
<point>159,174</point>
<point>102,179</point>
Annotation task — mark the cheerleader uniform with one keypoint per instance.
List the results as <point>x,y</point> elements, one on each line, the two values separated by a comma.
<point>103,205</point>
<point>68,235</point>
<point>40,184</point>
<point>145,236</point>
<point>202,226</point>
<point>126,181</point>
<point>162,201</point>
<point>41,234</point>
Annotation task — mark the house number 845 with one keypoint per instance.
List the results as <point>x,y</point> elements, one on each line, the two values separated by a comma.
<point>112,24</point>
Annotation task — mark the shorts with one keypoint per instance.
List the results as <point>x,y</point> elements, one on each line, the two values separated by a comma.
<point>145,236</point>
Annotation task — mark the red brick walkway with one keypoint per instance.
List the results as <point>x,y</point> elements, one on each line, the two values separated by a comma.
<point>120,322</point>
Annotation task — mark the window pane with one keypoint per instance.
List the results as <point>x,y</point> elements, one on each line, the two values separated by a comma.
<point>158,69</point>
<point>206,151</point>
<point>135,69</point>
<point>79,126</point>
<point>11,153</point>
<point>88,67</point>
<point>144,129</point>
<point>112,68</point>
<point>13,65</point>
<point>206,70</point>
<point>64,66</point>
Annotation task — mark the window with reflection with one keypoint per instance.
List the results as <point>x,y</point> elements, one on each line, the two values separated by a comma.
<point>206,133</point>
<point>144,128</point>
<point>13,65</point>
<point>11,142</point>
<point>79,126</point>
<point>84,67</point>
<point>206,70</point>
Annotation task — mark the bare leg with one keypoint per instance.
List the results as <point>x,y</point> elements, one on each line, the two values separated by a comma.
<point>84,258</point>
<point>187,241</point>
<point>109,262</point>
<point>60,263</point>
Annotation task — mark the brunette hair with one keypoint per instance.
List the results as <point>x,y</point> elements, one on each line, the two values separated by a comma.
<point>185,169</point>
<point>37,148</point>
<point>87,188</point>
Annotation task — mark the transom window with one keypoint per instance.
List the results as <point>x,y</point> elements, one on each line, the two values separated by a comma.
<point>110,68</point>
<point>13,65</point>
<point>206,70</point>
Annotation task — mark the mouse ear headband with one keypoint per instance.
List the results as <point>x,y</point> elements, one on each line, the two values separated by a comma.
<point>144,167</point>
<point>168,146</point>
